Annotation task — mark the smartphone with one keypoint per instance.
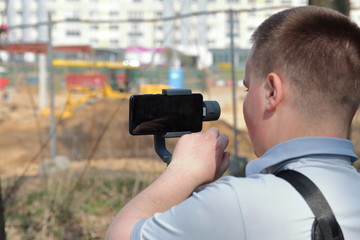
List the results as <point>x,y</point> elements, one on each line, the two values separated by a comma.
<point>161,114</point>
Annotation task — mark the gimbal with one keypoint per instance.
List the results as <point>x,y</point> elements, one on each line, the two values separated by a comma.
<point>211,112</point>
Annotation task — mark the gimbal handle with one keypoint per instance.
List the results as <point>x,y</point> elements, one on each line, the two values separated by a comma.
<point>160,145</point>
<point>160,148</point>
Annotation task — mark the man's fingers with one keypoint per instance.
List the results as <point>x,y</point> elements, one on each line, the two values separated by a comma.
<point>223,141</point>
<point>213,131</point>
<point>223,165</point>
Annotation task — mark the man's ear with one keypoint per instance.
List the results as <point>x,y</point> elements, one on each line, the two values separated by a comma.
<point>274,90</point>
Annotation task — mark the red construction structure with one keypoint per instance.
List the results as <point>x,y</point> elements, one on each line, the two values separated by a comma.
<point>93,81</point>
<point>4,82</point>
<point>20,48</point>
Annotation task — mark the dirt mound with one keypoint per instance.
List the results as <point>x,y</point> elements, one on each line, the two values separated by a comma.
<point>102,132</point>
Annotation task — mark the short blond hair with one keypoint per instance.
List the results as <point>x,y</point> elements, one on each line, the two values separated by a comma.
<point>318,49</point>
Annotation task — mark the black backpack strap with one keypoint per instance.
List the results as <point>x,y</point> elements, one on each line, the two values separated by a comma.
<point>324,216</point>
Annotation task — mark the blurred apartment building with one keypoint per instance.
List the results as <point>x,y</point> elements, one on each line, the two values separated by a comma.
<point>116,26</point>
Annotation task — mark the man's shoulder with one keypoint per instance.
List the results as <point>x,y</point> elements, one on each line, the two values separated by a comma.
<point>256,185</point>
<point>258,180</point>
<point>264,198</point>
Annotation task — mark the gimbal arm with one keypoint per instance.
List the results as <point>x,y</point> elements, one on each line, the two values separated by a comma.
<point>160,148</point>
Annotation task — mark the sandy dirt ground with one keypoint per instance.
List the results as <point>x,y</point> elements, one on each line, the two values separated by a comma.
<point>24,134</point>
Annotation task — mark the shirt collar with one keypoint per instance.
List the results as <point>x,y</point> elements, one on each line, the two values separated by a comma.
<point>300,147</point>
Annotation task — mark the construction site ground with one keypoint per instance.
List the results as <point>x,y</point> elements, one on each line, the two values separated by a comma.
<point>24,141</point>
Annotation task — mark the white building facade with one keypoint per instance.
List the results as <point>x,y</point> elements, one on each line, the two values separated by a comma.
<point>120,24</point>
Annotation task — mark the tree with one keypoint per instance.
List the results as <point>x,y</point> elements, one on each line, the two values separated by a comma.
<point>342,6</point>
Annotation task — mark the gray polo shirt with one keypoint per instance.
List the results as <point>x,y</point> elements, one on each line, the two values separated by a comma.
<point>262,206</point>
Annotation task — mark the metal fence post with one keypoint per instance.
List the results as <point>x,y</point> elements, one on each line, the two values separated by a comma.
<point>52,127</point>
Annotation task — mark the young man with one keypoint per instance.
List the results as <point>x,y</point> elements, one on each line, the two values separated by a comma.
<point>303,83</point>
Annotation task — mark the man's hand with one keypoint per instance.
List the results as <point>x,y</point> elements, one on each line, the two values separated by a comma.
<point>202,156</point>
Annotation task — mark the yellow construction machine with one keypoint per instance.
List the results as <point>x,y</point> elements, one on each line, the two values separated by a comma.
<point>88,87</point>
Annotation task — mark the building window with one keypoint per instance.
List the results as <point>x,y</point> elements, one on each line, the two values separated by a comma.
<point>94,27</point>
<point>114,27</point>
<point>72,15</point>
<point>135,34</point>
<point>251,28</point>
<point>73,33</point>
<point>234,34</point>
<point>114,14</point>
<point>133,42</point>
<point>114,42</point>
<point>251,14</point>
<point>71,55</point>
<point>135,15</point>
<point>93,13</point>
<point>94,41</point>
<point>135,26</point>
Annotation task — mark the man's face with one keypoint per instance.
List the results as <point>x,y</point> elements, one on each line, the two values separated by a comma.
<point>254,106</point>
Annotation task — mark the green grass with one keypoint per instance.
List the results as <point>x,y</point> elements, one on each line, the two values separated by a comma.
<point>54,208</point>
<point>58,208</point>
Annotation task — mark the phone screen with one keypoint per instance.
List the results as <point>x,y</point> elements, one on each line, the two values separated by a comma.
<point>153,114</point>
